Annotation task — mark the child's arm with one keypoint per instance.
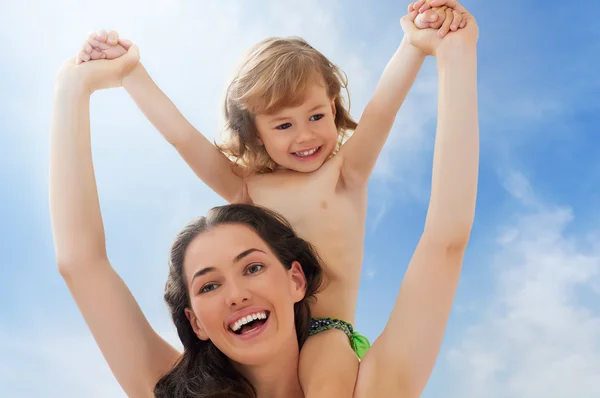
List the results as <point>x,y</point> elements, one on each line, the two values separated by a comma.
<point>135,353</point>
<point>209,164</point>
<point>401,360</point>
<point>361,151</point>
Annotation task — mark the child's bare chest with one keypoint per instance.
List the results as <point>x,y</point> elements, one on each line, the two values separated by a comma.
<point>319,209</point>
<point>300,197</point>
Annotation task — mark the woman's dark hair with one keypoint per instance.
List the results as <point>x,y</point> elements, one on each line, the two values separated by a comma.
<point>204,371</point>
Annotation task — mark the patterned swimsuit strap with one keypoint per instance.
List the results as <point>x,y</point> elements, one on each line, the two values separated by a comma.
<point>323,324</point>
<point>359,343</point>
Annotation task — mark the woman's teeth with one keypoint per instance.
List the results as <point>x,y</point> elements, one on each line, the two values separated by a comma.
<point>306,153</point>
<point>247,319</point>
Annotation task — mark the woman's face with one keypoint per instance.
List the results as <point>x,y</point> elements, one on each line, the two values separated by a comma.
<point>242,298</point>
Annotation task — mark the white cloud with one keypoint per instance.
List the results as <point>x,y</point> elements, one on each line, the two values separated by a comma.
<point>64,365</point>
<point>540,336</point>
<point>518,186</point>
<point>370,272</point>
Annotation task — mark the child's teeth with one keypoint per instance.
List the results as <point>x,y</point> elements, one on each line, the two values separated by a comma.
<point>307,153</point>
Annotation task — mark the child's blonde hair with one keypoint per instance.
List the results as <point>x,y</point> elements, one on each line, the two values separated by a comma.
<point>275,74</point>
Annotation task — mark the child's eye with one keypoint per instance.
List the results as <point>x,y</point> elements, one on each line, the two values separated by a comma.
<point>254,268</point>
<point>319,116</point>
<point>284,126</point>
<point>209,287</point>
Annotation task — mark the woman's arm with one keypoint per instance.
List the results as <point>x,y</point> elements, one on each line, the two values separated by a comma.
<point>402,358</point>
<point>135,353</point>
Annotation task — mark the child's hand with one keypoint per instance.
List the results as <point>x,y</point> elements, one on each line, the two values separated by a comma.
<point>425,39</point>
<point>430,18</point>
<point>102,45</point>
<point>114,59</point>
<point>443,17</point>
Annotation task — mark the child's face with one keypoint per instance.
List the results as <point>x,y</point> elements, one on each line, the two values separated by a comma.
<point>301,138</point>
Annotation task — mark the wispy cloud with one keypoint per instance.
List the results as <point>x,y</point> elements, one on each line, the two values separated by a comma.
<point>519,188</point>
<point>540,336</point>
<point>67,364</point>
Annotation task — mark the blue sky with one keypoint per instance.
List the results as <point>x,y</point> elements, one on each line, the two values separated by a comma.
<point>526,321</point>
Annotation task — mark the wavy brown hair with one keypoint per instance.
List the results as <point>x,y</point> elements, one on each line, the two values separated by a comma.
<point>203,371</point>
<point>275,74</point>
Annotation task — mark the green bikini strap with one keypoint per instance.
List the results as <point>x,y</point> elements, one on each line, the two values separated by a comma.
<point>360,344</point>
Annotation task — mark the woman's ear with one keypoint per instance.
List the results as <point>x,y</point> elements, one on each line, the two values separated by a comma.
<point>196,325</point>
<point>297,281</point>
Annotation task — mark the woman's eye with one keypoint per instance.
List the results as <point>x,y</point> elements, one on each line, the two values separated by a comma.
<point>208,288</point>
<point>254,268</point>
<point>319,116</point>
<point>284,126</point>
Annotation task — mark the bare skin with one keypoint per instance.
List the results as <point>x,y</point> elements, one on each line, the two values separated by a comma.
<point>328,206</point>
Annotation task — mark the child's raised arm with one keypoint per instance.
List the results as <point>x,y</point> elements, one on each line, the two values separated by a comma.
<point>209,164</point>
<point>401,360</point>
<point>362,149</point>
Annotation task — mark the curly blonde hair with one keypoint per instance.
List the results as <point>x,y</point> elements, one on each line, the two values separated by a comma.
<point>275,74</point>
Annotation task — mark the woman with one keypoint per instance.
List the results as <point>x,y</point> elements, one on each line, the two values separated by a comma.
<point>233,265</point>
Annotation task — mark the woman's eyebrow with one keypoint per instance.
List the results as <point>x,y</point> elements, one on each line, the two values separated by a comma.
<point>237,258</point>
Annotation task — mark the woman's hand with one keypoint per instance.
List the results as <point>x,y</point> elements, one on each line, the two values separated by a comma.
<point>466,37</point>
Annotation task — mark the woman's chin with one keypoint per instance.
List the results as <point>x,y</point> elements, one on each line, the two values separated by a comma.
<point>254,356</point>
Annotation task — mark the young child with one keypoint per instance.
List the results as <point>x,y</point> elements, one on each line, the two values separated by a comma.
<point>288,150</point>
